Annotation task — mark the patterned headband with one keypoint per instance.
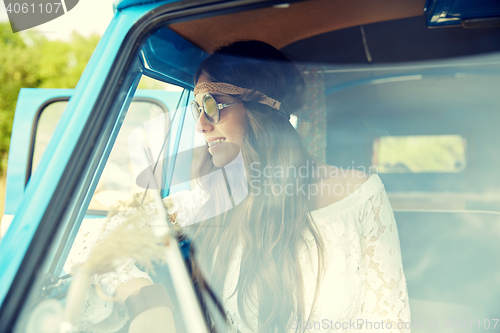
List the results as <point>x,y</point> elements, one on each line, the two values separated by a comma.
<point>229,89</point>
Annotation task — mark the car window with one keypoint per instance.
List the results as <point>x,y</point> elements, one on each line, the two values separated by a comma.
<point>116,182</point>
<point>47,122</point>
<point>149,131</point>
<point>416,154</point>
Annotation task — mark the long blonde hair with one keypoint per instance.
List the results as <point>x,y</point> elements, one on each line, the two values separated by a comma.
<point>270,228</point>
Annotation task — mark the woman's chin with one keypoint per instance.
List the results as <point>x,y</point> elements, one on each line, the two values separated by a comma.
<point>224,153</point>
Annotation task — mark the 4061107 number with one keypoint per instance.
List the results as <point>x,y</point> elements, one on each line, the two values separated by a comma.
<point>486,324</point>
<point>41,8</point>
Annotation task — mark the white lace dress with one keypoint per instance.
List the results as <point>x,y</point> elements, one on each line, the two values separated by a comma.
<point>363,287</point>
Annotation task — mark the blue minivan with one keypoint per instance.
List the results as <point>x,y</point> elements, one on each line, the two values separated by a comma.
<point>409,90</point>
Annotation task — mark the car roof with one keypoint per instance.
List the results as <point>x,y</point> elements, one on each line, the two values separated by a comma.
<point>281,25</point>
<point>122,4</point>
<point>340,32</point>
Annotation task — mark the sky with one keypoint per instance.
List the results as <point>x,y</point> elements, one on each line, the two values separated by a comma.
<point>88,17</point>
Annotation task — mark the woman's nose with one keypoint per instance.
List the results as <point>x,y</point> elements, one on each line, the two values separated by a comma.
<point>203,125</point>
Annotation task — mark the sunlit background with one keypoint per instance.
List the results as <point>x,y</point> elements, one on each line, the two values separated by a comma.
<point>52,55</point>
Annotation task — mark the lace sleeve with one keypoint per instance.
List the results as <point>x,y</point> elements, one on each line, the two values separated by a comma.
<point>386,295</point>
<point>100,315</point>
<point>183,207</point>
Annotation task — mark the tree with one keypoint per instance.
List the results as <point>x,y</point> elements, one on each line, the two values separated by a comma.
<point>32,61</point>
<point>18,68</point>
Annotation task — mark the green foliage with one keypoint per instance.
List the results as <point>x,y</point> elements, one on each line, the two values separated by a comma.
<point>32,61</point>
<point>432,153</point>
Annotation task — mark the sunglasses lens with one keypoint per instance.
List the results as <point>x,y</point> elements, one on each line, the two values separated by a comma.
<point>195,110</point>
<point>211,108</point>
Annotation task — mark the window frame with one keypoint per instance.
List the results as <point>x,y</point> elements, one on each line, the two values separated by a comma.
<point>85,159</point>
<point>34,131</point>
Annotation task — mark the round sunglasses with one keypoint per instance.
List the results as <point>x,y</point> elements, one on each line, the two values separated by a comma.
<point>210,107</point>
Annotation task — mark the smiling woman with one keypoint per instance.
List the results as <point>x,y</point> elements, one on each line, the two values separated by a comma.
<point>308,256</point>
<point>223,130</point>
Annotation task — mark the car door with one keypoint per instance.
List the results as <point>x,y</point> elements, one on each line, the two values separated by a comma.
<point>96,119</point>
<point>37,115</point>
<point>153,118</point>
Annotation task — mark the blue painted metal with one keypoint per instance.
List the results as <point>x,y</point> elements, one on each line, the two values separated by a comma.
<point>184,143</point>
<point>40,189</point>
<point>122,4</point>
<point>451,12</point>
<point>169,57</point>
<point>174,146</point>
<point>29,101</point>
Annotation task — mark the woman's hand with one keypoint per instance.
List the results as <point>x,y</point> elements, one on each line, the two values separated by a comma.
<point>154,320</point>
<point>130,288</point>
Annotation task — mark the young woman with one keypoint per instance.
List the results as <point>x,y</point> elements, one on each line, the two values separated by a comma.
<point>310,246</point>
